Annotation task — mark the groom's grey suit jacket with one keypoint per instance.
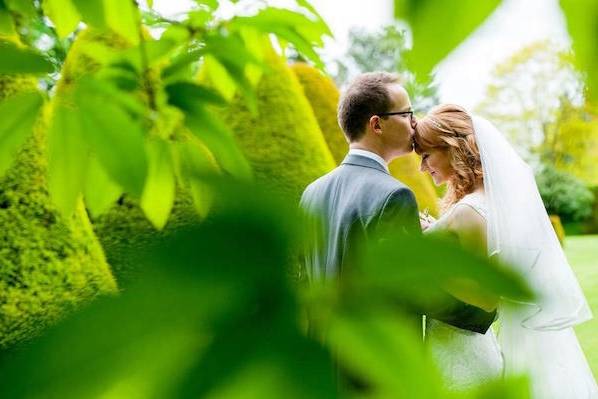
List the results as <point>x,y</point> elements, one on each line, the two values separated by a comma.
<point>353,201</point>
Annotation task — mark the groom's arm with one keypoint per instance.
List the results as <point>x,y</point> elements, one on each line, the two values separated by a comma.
<point>462,315</point>
<point>400,212</point>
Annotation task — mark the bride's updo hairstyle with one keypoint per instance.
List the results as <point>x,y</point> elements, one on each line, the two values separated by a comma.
<point>449,127</point>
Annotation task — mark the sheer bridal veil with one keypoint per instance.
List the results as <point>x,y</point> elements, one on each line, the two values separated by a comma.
<point>536,338</point>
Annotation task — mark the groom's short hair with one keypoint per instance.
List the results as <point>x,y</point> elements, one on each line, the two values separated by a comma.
<point>367,95</point>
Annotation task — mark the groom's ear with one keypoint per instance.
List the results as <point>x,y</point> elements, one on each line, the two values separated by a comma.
<point>375,124</point>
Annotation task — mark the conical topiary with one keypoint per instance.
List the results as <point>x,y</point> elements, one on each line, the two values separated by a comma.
<point>406,169</point>
<point>323,95</point>
<point>283,142</point>
<point>48,264</point>
<point>124,230</point>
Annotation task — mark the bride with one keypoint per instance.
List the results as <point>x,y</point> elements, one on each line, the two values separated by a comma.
<point>492,206</point>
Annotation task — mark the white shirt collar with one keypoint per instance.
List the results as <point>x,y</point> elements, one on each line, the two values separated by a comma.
<point>370,155</point>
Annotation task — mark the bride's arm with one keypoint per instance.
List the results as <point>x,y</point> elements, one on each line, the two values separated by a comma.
<point>469,227</point>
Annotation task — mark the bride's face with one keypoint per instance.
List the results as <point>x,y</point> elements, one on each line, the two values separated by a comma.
<point>436,162</point>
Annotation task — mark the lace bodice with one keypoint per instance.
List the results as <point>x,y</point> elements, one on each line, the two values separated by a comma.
<point>475,200</point>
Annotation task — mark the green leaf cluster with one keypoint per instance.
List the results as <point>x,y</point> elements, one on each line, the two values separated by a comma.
<point>50,263</point>
<point>216,316</point>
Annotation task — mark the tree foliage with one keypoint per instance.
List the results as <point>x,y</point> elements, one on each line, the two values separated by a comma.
<point>134,83</point>
<point>527,94</point>
<point>384,50</point>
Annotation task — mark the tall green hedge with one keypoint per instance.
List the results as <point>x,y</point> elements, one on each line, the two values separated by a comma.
<point>123,230</point>
<point>48,264</point>
<point>323,95</point>
<point>283,142</point>
<point>406,169</point>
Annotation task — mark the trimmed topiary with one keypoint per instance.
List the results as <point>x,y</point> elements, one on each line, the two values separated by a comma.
<point>124,230</point>
<point>323,96</point>
<point>406,169</point>
<point>283,143</point>
<point>49,264</point>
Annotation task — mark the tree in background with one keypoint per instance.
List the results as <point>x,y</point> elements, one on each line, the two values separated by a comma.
<point>574,145</point>
<point>383,50</point>
<point>528,94</point>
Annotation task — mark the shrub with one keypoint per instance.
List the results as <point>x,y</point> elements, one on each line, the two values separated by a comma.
<point>323,95</point>
<point>406,169</point>
<point>591,227</point>
<point>555,221</point>
<point>564,195</point>
<point>49,264</point>
<point>124,230</point>
<point>283,142</point>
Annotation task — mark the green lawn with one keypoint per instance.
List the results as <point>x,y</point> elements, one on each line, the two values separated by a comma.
<point>582,252</point>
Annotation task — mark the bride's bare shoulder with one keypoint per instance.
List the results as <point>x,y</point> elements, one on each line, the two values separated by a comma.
<point>466,216</point>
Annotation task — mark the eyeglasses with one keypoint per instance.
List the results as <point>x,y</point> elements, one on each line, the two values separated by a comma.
<point>410,113</point>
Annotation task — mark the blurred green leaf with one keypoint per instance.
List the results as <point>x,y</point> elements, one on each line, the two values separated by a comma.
<point>505,388</point>
<point>128,101</point>
<point>92,12</point>
<point>122,17</point>
<point>101,191</point>
<point>193,163</point>
<point>7,26</point>
<point>159,191</point>
<point>212,4</point>
<point>181,63</point>
<point>581,24</point>
<point>187,95</point>
<point>234,55</point>
<point>25,8</point>
<point>432,39</point>
<point>114,137</point>
<point>199,18</point>
<point>397,269</point>
<point>68,156</point>
<point>199,289</point>
<point>19,115</point>
<point>63,14</point>
<point>386,351</point>
<point>296,28</point>
<point>16,59</point>
<point>219,139</point>
<point>218,77</point>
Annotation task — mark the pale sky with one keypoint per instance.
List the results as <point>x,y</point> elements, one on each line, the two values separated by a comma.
<point>462,77</point>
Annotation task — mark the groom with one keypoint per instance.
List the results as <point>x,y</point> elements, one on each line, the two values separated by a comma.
<point>360,196</point>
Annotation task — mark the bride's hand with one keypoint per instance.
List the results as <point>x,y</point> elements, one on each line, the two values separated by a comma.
<point>426,220</point>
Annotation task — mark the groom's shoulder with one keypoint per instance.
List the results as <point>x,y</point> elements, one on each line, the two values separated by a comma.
<point>367,179</point>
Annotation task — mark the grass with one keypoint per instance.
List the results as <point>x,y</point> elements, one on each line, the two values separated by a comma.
<point>582,252</point>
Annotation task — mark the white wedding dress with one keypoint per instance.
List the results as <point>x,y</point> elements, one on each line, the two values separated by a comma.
<point>536,338</point>
<point>465,358</point>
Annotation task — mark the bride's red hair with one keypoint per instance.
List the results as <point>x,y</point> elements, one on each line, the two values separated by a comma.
<point>449,127</point>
